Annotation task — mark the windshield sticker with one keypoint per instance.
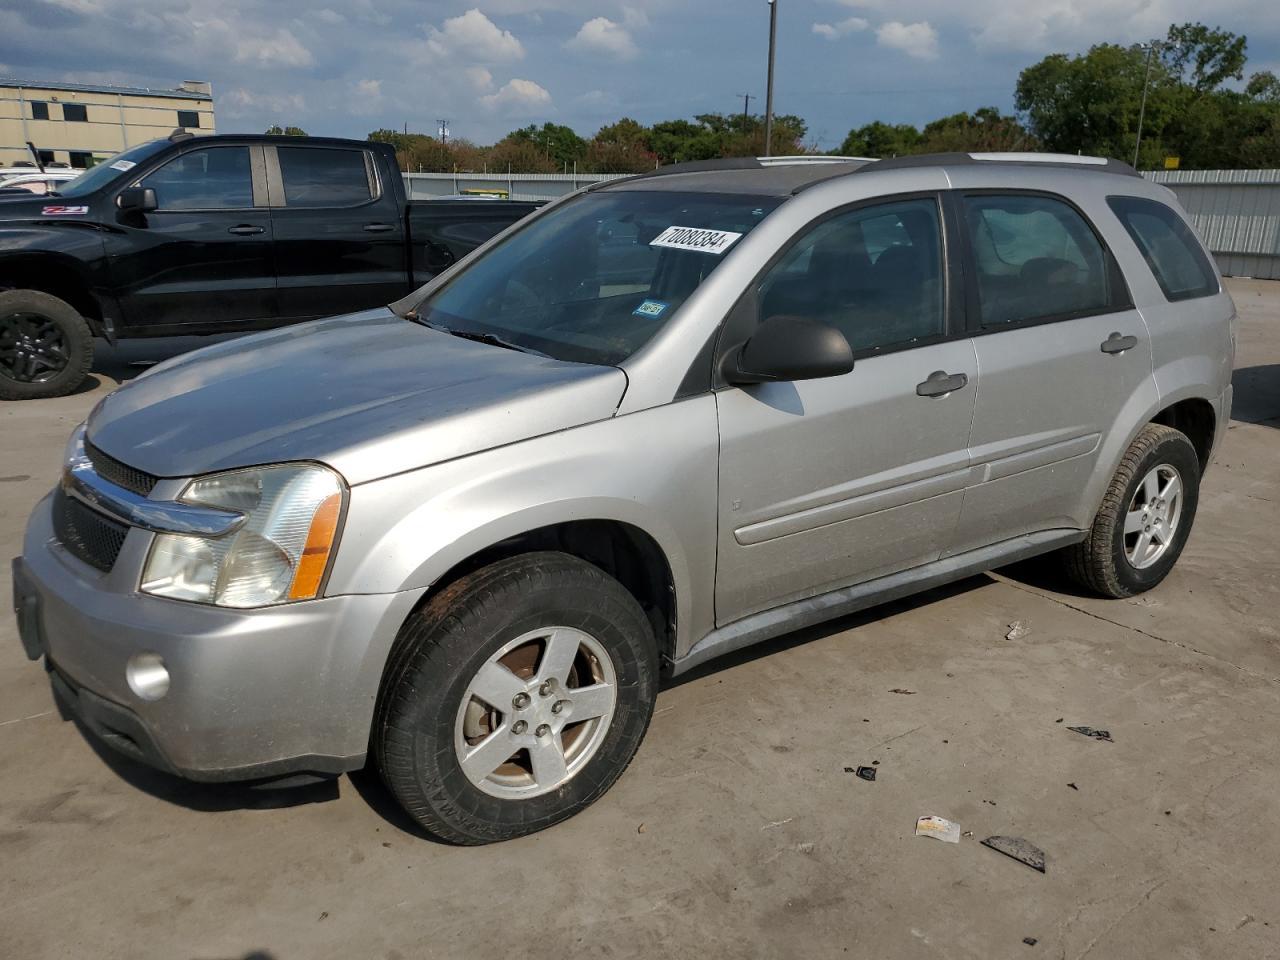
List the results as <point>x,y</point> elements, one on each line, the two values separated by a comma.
<point>652,309</point>
<point>692,238</point>
<point>123,165</point>
<point>62,211</point>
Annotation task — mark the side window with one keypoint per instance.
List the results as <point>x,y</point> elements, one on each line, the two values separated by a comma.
<point>1169,247</point>
<point>1035,258</point>
<point>875,274</point>
<point>323,177</point>
<point>215,178</point>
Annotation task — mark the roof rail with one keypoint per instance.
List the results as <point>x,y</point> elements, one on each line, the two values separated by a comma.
<point>1059,160</point>
<point>730,163</point>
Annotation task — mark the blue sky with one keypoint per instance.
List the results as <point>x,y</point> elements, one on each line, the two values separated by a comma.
<point>345,67</point>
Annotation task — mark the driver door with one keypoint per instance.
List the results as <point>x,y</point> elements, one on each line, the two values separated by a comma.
<point>824,483</point>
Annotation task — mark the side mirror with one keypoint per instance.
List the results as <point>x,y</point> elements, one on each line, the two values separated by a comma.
<point>136,200</point>
<point>789,348</point>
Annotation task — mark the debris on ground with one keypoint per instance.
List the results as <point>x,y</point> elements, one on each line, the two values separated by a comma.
<point>775,823</point>
<point>1073,786</point>
<point>902,690</point>
<point>939,829</point>
<point>1060,719</point>
<point>1091,732</point>
<point>1019,849</point>
<point>640,829</point>
<point>1030,941</point>
<point>967,833</point>
<point>1018,630</point>
<point>848,770</point>
<point>866,773</point>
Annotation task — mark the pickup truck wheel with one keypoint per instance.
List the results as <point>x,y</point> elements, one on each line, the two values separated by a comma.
<point>46,347</point>
<point>1145,517</point>
<point>515,698</point>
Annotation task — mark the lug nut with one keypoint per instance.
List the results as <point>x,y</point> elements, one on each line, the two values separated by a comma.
<point>519,727</point>
<point>545,689</point>
<point>542,730</point>
<point>520,701</point>
<point>558,706</point>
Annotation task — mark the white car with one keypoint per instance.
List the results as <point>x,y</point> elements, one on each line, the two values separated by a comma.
<point>35,182</point>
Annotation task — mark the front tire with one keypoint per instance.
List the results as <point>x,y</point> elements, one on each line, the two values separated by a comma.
<point>1145,517</point>
<point>46,347</point>
<point>515,698</point>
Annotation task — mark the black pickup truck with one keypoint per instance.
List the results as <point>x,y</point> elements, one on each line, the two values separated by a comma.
<point>201,235</point>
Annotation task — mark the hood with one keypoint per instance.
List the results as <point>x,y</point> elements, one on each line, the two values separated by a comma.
<point>370,394</point>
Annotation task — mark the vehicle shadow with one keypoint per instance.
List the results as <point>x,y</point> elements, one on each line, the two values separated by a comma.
<point>1256,394</point>
<point>128,358</point>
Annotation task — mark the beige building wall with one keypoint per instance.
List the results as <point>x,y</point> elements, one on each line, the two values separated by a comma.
<point>115,119</point>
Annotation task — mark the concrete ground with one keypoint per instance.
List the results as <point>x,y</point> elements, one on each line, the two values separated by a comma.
<point>738,830</point>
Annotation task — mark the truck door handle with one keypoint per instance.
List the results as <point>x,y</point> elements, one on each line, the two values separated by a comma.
<point>246,229</point>
<point>1118,344</point>
<point>940,383</point>
<point>378,227</point>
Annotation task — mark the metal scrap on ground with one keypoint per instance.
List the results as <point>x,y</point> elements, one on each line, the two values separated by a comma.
<point>1017,631</point>
<point>1091,732</point>
<point>1019,849</point>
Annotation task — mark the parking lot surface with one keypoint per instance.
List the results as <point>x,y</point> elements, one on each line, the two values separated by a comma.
<point>740,829</point>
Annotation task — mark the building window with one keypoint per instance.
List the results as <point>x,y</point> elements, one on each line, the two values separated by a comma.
<point>189,119</point>
<point>39,110</point>
<point>75,112</point>
<point>46,157</point>
<point>81,160</point>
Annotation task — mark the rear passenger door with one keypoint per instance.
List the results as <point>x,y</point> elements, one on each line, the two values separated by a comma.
<point>1061,351</point>
<point>825,483</point>
<point>338,230</point>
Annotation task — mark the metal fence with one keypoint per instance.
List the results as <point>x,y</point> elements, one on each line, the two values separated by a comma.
<point>517,186</point>
<point>1237,212</point>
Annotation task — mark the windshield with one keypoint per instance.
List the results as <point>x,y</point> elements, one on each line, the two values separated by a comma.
<point>106,171</point>
<point>593,280</point>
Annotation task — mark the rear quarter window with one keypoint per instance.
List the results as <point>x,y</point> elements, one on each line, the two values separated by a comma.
<point>1170,248</point>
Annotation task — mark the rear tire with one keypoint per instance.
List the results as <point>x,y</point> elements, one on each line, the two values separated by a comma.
<point>1145,518</point>
<point>46,346</point>
<point>515,698</point>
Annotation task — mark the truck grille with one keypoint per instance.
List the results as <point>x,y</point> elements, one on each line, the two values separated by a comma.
<point>85,533</point>
<point>121,474</point>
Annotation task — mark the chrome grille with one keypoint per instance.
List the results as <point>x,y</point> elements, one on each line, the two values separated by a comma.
<point>121,474</point>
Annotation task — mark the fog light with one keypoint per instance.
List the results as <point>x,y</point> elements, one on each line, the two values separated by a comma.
<point>147,676</point>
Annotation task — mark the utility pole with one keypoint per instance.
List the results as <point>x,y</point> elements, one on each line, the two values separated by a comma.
<point>443,130</point>
<point>768,98</point>
<point>746,107</point>
<point>1142,110</point>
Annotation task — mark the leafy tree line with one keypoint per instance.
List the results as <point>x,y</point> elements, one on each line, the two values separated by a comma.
<point>1200,108</point>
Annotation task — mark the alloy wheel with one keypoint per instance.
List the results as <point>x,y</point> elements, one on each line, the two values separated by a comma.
<point>1151,523</point>
<point>33,349</point>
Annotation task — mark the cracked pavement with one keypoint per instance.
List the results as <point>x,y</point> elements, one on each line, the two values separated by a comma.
<point>755,842</point>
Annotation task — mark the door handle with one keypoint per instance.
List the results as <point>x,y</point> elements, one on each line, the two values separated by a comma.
<point>1118,344</point>
<point>940,383</point>
<point>378,227</point>
<point>246,229</point>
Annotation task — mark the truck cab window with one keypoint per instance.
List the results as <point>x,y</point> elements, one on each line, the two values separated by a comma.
<point>324,177</point>
<point>215,178</point>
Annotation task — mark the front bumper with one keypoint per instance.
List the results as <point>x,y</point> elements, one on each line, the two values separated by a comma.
<point>252,693</point>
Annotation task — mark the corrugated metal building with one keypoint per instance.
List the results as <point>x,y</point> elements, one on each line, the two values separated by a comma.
<point>1237,212</point>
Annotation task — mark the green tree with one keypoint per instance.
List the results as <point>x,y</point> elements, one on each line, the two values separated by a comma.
<point>519,155</point>
<point>556,141</point>
<point>880,140</point>
<point>984,130</point>
<point>275,130</point>
<point>1202,57</point>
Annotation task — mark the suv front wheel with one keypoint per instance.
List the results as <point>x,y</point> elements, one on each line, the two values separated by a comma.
<point>515,698</point>
<point>1145,517</point>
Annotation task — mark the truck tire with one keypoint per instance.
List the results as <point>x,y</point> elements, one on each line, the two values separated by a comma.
<point>515,698</point>
<point>1145,518</point>
<point>46,347</point>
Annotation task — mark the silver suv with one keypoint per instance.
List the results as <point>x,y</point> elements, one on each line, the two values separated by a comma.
<point>660,420</point>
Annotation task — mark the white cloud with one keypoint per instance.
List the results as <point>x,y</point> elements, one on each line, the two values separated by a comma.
<point>368,88</point>
<point>517,95</point>
<point>474,36</point>
<point>917,40</point>
<point>480,78</point>
<point>332,17</point>
<point>634,18</point>
<point>603,36</point>
<point>280,48</point>
<point>240,102</point>
<point>834,31</point>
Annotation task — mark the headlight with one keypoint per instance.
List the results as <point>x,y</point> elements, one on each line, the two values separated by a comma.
<point>280,553</point>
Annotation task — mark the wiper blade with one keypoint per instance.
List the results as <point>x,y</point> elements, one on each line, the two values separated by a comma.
<point>478,336</point>
<point>492,339</point>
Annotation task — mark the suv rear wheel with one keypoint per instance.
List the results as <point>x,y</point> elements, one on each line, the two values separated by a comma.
<point>46,347</point>
<point>515,698</point>
<point>1145,517</point>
